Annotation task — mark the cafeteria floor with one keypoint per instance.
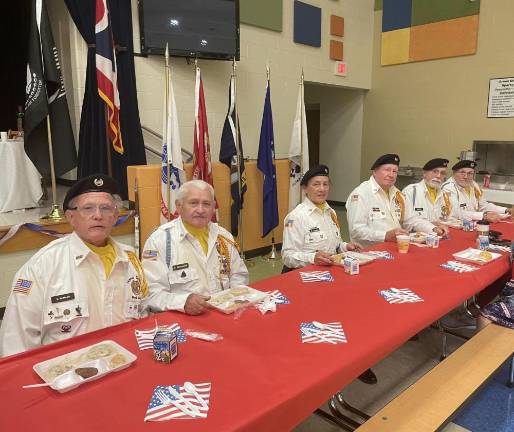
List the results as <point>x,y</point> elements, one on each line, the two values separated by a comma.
<point>491,410</point>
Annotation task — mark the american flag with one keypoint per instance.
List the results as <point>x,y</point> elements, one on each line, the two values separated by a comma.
<point>202,167</point>
<point>400,295</point>
<point>106,75</point>
<point>315,332</point>
<point>22,286</point>
<point>145,337</point>
<point>160,410</point>
<point>317,276</point>
<point>277,297</point>
<point>381,254</point>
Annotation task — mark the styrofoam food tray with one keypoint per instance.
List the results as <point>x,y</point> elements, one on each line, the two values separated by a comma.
<point>363,258</point>
<point>228,301</point>
<point>473,255</point>
<point>104,355</point>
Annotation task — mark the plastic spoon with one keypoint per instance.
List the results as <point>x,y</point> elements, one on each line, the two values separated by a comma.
<point>37,385</point>
<point>188,404</point>
<point>191,389</point>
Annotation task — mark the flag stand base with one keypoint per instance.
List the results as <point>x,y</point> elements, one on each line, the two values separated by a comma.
<point>55,215</point>
<point>272,255</point>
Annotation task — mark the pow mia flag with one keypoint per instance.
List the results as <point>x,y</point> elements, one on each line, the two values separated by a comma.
<point>45,95</point>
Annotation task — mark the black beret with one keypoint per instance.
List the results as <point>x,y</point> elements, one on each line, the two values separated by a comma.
<point>435,163</point>
<point>464,164</point>
<point>92,183</point>
<point>320,170</point>
<point>386,159</point>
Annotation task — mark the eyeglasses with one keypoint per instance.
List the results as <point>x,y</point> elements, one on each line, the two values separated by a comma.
<point>90,209</point>
<point>465,173</point>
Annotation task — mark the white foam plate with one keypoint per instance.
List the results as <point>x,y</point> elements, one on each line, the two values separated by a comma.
<point>473,255</point>
<point>60,371</point>
<point>228,301</point>
<point>363,258</point>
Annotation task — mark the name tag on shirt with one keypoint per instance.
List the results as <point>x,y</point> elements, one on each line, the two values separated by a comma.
<point>376,209</point>
<point>463,206</point>
<point>180,266</point>
<point>62,297</point>
<point>419,209</point>
<point>316,229</point>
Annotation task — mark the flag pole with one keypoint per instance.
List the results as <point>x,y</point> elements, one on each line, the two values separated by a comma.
<point>56,214</point>
<point>137,237</point>
<point>166,138</point>
<point>301,133</point>
<point>107,141</point>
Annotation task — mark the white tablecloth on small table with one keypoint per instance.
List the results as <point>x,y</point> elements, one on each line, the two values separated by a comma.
<point>20,185</point>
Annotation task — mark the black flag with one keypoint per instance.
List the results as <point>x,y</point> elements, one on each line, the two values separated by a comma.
<point>229,156</point>
<point>45,95</point>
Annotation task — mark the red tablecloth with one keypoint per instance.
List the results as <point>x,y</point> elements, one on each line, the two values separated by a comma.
<point>263,378</point>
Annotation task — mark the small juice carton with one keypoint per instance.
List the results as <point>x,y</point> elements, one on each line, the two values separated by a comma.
<point>351,265</point>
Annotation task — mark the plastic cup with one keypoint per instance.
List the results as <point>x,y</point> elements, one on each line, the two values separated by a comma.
<point>403,242</point>
<point>3,136</point>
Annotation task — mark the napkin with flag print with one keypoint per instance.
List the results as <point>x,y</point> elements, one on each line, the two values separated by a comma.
<point>381,254</point>
<point>145,337</point>
<point>458,267</point>
<point>317,276</point>
<point>277,297</point>
<point>400,295</point>
<point>316,332</point>
<point>174,402</point>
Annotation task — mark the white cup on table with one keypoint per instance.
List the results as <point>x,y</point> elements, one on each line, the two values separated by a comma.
<point>3,136</point>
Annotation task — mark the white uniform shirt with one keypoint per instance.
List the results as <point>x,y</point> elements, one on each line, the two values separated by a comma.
<point>189,270</point>
<point>469,206</point>
<point>55,293</point>
<point>307,229</point>
<point>418,200</point>
<point>372,213</point>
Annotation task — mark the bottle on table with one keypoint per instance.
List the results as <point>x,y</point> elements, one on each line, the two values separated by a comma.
<point>19,119</point>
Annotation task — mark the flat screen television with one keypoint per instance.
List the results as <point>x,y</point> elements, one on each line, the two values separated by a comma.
<point>192,28</point>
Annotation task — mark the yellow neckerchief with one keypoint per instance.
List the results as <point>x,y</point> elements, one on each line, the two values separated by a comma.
<point>400,201</point>
<point>140,287</point>
<point>222,243</point>
<point>107,255</point>
<point>432,194</point>
<point>201,234</point>
<point>321,206</point>
<point>468,190</point>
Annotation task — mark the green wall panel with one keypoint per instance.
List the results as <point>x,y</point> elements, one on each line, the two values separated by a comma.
<point>429,11</point>
<point>262,13</point>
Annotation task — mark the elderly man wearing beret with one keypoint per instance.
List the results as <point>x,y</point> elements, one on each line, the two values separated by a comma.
<point>426,199</point>
<point>79,283</point>
<point>376,208</point>
<point>466,196</point>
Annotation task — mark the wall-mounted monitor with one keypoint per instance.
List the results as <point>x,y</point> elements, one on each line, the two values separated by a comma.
<point>206,29</point>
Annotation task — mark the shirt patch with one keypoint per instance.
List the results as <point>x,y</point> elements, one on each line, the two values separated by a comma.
<point>289,223</point>
<point>62,297</point>
<point>22,286</point>
<point>180,266</point>
<point>149,254</point>
<point>354,198</point>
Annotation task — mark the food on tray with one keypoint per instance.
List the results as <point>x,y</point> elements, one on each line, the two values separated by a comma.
<point>86,372</point>
<point>418,237</point>
<point>239,291</point>
<point>220,299</point>
<point>486,255</point>
<point>99,351</point>
<point>54,371</point>
<point>234,298</point>
<point>117,360</point>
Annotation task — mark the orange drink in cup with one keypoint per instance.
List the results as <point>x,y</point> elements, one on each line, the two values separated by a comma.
<point>403,241</point>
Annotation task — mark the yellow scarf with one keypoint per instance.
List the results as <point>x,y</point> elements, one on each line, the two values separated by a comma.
<point>432,194</point>
<point>321,206</point>
<point>107,255</point>
<point>201,234</point>
<point>400,201</point>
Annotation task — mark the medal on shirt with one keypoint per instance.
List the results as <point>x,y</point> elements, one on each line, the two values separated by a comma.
<point>133,308</point>
<point>135,285</point>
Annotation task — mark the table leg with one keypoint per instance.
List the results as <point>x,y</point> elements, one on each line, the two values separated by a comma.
<point>334,420</point>
<point>510,382</point>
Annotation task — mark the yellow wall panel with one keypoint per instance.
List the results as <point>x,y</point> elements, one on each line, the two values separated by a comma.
<point>395,46</point>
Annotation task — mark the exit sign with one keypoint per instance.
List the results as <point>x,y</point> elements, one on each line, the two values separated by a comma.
<point>341,68</point>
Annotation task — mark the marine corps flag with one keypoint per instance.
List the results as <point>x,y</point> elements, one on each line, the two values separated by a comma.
<point>230,154</point>
<point>265,164</point>
<point>202,167</point>
<point>45,95</point>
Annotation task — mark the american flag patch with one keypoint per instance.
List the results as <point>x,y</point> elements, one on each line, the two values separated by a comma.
<point>400,295</point>
<point>149,254</point>
<point>22,286</point>
<point>354,198</point>
<point>289,223</point>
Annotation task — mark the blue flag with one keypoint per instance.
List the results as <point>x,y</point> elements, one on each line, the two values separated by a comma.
<point>265,165</point>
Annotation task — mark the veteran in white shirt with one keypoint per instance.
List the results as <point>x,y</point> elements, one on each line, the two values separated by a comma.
<point>79,283</point>
<point>190,258</point>
<point>425,199</point>
<point>376,208</point>
<point>311,231</point>
<point>466,197</point>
